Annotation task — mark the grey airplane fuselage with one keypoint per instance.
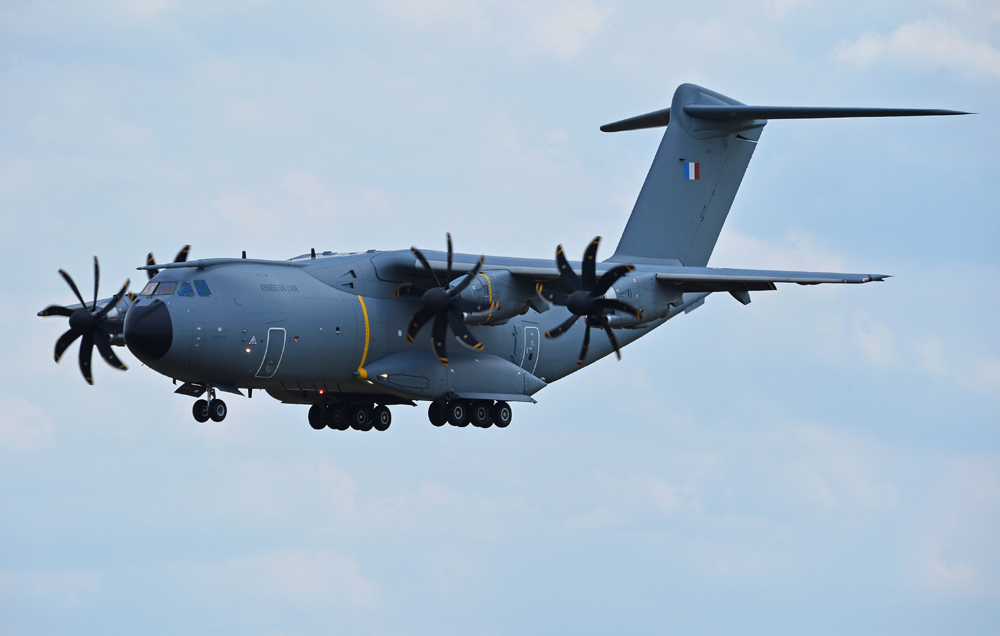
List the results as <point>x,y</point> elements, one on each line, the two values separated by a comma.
<point>313,324</point>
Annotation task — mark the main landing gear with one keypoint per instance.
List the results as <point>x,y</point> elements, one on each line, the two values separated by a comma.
<point>211,409</point>
<point>340,417</point>
<point>479,413</point>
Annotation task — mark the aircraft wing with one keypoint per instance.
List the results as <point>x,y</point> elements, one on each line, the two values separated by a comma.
<point>697,279</point>
<point>687,279</point>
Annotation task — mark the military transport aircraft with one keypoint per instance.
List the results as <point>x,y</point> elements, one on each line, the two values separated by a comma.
<point>352,334</point>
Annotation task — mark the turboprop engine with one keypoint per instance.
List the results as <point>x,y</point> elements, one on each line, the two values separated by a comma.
<point>654,299</point>
<point>514,296</point>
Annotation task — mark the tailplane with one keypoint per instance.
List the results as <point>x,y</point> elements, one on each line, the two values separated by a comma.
<point>698,169</point>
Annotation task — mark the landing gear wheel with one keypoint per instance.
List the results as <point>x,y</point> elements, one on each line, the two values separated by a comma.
<point>336,417</point>
<point>317,416</point>
<point>435,413</point>
<point>381,417</point>
<point>457,413</point>
<point>200,411</point>
<point>501,414</point>
<point>481,414</point>
<point>361,417</point>
<point>217,410</point>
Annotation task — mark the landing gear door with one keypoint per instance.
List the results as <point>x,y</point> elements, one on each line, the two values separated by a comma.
<point>272,352</point>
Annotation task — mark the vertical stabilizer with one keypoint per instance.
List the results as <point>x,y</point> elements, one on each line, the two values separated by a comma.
<point>692,182</point>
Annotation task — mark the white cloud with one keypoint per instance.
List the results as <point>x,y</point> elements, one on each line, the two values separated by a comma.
<point>955,552</point>
<point>322,579</point>
<point>559,27</point>
<point>63,588</point>
<point>309,192</point>
<point>244,211</point>
<point>145,8</point>
<point>566,28</point>
<point>931,43</point>
<point>23,425</point>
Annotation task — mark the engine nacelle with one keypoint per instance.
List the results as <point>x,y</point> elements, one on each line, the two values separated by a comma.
<point>642,291</point>
<point>514,297</point>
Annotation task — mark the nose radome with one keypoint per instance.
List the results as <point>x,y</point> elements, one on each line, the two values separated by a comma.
<point>148,331</point>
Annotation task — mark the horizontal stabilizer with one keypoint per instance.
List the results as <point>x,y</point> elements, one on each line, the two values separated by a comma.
<point>728,112</point>
<point>656,119</point>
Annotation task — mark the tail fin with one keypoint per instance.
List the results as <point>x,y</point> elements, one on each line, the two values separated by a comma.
<point>698,168</point>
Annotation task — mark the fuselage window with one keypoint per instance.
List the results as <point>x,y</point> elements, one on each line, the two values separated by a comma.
<point>165,289</point>
<point>148,289</point>
<point>186,289</point>
<point>202,288</point>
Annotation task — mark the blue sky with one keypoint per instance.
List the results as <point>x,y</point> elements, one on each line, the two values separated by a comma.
<point>824,460</point>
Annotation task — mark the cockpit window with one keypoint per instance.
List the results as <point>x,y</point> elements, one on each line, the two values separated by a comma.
<point>202,288</point>
<point>148,289</point>
<point>165,289</point>
<point>185,289</point>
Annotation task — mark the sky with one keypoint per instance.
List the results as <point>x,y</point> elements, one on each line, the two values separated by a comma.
<point>823,461</point>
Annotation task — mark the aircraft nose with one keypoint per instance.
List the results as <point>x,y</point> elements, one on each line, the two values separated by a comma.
<point>148,331</point>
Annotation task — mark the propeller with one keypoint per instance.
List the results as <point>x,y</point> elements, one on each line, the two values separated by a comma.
<point>587,297</point>
<point>181,257</point>
<point>443,304</point>
<point>85,323</point>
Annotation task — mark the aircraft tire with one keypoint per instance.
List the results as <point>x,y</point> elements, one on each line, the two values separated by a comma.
<point>200,410</point>
<point>217,410</point>
<point>435,413</point>
<point>361,417</point>
<point>317,417</point>
<point>381,417</point>
<point>481,414</point>
<point>457,413</point>
<point>501,414</point>
<point>337,417</point>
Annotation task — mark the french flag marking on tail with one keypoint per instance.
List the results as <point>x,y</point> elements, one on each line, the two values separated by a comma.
<point>692,170</point>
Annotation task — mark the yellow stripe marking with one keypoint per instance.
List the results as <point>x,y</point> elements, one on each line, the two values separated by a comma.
<point>364,355</point>
<point>489,286</point>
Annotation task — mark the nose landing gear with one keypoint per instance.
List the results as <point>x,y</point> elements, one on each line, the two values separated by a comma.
<point>211,409</point>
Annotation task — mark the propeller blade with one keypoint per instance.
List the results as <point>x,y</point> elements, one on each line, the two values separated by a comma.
<point>104,347</point>
<point>447,276</point>
<point>114,301</point>
<point>56,310</point>
<point>583,349</point>
<point>65,341</point>
<point>409,289</point>
<point>471,307</point>
<point>182,255</point>
<point>553,296</point>
<point>590,264</point>
<point>468,279</point>
<point>72,285</point>
<point>416,322</point>
<point>86,350</point>
<point>423,261</point>
<point>563,328</point>
<point>566,272</point>
<point>438,337</point>
<point>151,261</point>
<point>462,332</point>
<point>97,280</point>
<point>610,277</point>
<point>618,305</point>
<point>611,337</point>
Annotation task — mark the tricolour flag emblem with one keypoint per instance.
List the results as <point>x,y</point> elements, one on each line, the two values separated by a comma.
<point>692,170</point>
